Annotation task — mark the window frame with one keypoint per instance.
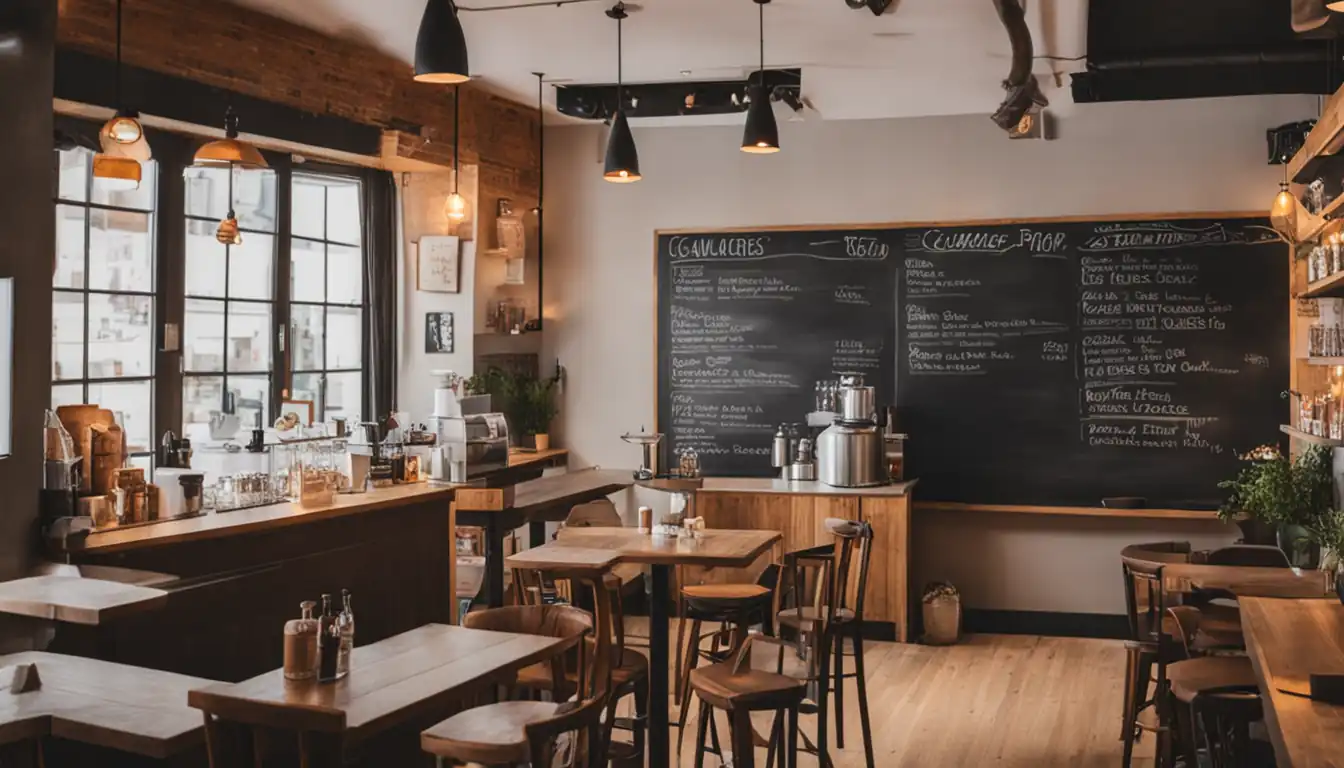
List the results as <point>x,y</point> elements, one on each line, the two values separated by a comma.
<point>173,153</point>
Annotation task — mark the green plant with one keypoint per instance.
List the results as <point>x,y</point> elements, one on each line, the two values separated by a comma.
<point>1327,532</point>
<point>533,406</point>
<point>1282,491</point>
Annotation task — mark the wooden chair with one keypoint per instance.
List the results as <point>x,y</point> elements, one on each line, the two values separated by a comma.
<point>602,514</point>
<point>739,690</point>
<point>513,732</point>
<point>827,611</point>
<point>629,669</point>
<point>1141,565</point>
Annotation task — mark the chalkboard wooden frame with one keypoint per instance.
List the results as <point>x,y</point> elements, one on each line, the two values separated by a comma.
<point>1002,221</point>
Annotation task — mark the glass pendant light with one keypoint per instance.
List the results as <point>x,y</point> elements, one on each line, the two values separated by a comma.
<point>761,136</point>
<point>1283,214</point>
<point>121,139</point>
<point>229,152</point>
<point>455,207</point>
<point>440,45</point>
<point>622,166</point>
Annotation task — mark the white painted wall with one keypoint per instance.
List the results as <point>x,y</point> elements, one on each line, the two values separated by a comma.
<point>1188,156</point>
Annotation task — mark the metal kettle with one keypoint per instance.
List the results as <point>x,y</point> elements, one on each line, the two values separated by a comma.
<point>850,452</point>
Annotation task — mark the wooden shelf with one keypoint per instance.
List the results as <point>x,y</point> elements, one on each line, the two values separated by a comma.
<point>1327,361</point>
<point>1307,437</point>
<point>1327,287</point>
<point>1321,143</point>
<point>1324,222</point>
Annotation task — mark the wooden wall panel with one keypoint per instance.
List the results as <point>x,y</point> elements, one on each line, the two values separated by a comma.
<point>888,575</point>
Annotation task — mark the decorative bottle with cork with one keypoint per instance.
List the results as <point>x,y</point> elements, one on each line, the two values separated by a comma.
<point>346,624</point>
<point>301,644</point>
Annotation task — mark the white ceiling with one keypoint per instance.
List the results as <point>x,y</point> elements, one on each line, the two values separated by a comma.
<point>923,57</point>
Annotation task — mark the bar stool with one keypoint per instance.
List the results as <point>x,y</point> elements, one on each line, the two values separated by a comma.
<point>1140,566</point>
<point>513,732</point>
<point>1195,676</point>
<point>739,690</point>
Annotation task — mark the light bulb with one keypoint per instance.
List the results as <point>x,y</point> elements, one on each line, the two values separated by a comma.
<point>1283,214</point>
<point>455,207</point>
<point>125,130</point>
<point>228,232</point>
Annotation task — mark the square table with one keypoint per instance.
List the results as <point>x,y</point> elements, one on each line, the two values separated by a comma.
<point>406,678</point>
<point>605,547</point>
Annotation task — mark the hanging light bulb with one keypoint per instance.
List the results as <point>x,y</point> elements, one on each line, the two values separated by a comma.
<point>1283,214</point>
<point>228,232</point>
<point>762,132</point>
<point>455,207</point>
<point>125,128</point>
<point>622,162</point>
<point>440,45</point>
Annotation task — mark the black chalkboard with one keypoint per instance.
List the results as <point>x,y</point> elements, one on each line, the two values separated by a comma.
<point>1052,363</point>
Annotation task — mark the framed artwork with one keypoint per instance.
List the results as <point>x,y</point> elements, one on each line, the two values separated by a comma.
<point>437,264</point>
<point>439,332</point>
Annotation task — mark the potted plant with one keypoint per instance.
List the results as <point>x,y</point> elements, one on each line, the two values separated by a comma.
<point>533,408</point>
<point>1293,496</point>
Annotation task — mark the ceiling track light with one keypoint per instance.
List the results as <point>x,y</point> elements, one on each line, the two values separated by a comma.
<point>121,139</point>
<point>441,45</point>
<point>761,136</point>
<point>622,162</point>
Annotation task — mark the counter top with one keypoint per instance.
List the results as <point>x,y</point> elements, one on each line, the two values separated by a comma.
<point>216,524</point>
<point>77,600</point>
<point>803,488</point>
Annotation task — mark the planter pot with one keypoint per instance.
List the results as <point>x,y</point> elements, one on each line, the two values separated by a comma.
<point>1302,553</point>
<point>541,442</point>
<point>1257,532</point>
<point>942,620</point>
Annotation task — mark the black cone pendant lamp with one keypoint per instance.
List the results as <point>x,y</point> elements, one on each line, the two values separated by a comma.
<point>440,45</point>
<point>762,134</point>
<point>622,165</point>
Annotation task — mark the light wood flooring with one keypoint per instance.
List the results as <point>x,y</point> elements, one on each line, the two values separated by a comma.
<point>992,700</point>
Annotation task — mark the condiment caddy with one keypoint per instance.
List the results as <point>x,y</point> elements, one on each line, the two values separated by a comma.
<point>319,647</point>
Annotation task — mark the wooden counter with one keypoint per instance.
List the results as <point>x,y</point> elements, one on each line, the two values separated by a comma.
<point>799,511</point>
<point>1288,641</point>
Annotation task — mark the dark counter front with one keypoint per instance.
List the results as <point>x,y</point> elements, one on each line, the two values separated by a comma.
<point>243,575</point>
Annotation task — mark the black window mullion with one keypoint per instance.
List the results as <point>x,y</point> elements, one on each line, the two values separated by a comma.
<point>282,379</point>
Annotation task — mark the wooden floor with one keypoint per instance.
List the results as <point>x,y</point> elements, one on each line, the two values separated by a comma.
<point>993,700</point>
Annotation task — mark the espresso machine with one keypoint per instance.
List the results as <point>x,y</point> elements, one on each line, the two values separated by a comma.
<point>851,453</point>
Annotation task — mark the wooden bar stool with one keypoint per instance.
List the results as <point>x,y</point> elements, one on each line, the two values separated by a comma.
<point>513,732</point>
<point>1140,566</point>
<point>739,690</point>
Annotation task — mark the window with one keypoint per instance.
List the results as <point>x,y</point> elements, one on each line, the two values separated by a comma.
<point>327,297</point>
<point>103,318</point>
<point>228,327</point>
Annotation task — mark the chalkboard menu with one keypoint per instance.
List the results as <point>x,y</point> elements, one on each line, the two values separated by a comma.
<point>749,322</point>
<point>1051,363</point>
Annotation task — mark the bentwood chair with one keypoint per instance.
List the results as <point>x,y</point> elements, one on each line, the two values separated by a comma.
<point>737,689</point>
<point>518,732</point>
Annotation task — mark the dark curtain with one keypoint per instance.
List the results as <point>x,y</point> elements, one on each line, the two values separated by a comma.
<point>380,266</point>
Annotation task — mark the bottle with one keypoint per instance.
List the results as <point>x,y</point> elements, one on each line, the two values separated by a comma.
<point>328,643</point>
<point>347,627</point>
<point>301,644</point>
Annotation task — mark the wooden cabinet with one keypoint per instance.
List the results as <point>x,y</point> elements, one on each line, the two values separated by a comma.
<point>801,519</point>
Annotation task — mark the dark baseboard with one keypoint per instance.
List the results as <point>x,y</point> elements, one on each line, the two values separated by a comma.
<point>1051,623</point>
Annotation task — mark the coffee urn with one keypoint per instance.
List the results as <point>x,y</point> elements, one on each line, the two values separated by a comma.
<point>850,452</point>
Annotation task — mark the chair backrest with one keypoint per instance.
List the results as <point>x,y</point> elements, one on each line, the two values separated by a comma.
<point>595,514</point>
<point>1140,565</point>
<point>1252,555</point>
<point>834,576</point>
<point>606,632</point>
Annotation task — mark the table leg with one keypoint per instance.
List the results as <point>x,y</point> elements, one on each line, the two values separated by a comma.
<point>494,564</point>
<point>658,666</point>
<point>536,531</point>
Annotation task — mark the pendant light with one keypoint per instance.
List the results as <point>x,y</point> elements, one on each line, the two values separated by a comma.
<point>229,152</point>
<point>455,207</point>
<point>1336,5</point>
<point>762,133</point>
<point>121,139</point>
<point>1283,214</point>
<point>440,45</point>
<point>622,166</point>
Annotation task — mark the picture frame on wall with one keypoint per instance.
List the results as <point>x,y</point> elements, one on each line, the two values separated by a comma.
<point>438,264</point>
<point>301,408</point>
<point>439,333</point>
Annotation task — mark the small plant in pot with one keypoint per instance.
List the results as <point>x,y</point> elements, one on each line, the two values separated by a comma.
<point>533,409</point>
<point>1293,496</point>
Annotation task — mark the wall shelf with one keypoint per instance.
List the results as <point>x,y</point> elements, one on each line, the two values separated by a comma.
<point>1324,360</point>
<point>1309,438</point>
<point>1325,220</point>
<point>1327,287</point>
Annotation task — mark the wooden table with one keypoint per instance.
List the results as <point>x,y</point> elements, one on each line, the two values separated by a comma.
<point>77,600</point>
<point>1259,582</point>
<point>533,503</point>
<point>605,547</point>
<point>413,679</point>
<point>135,710</point>
<point>1289,640</point>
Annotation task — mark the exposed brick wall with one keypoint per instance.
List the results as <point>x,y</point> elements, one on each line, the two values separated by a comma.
<point>249,52</point>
